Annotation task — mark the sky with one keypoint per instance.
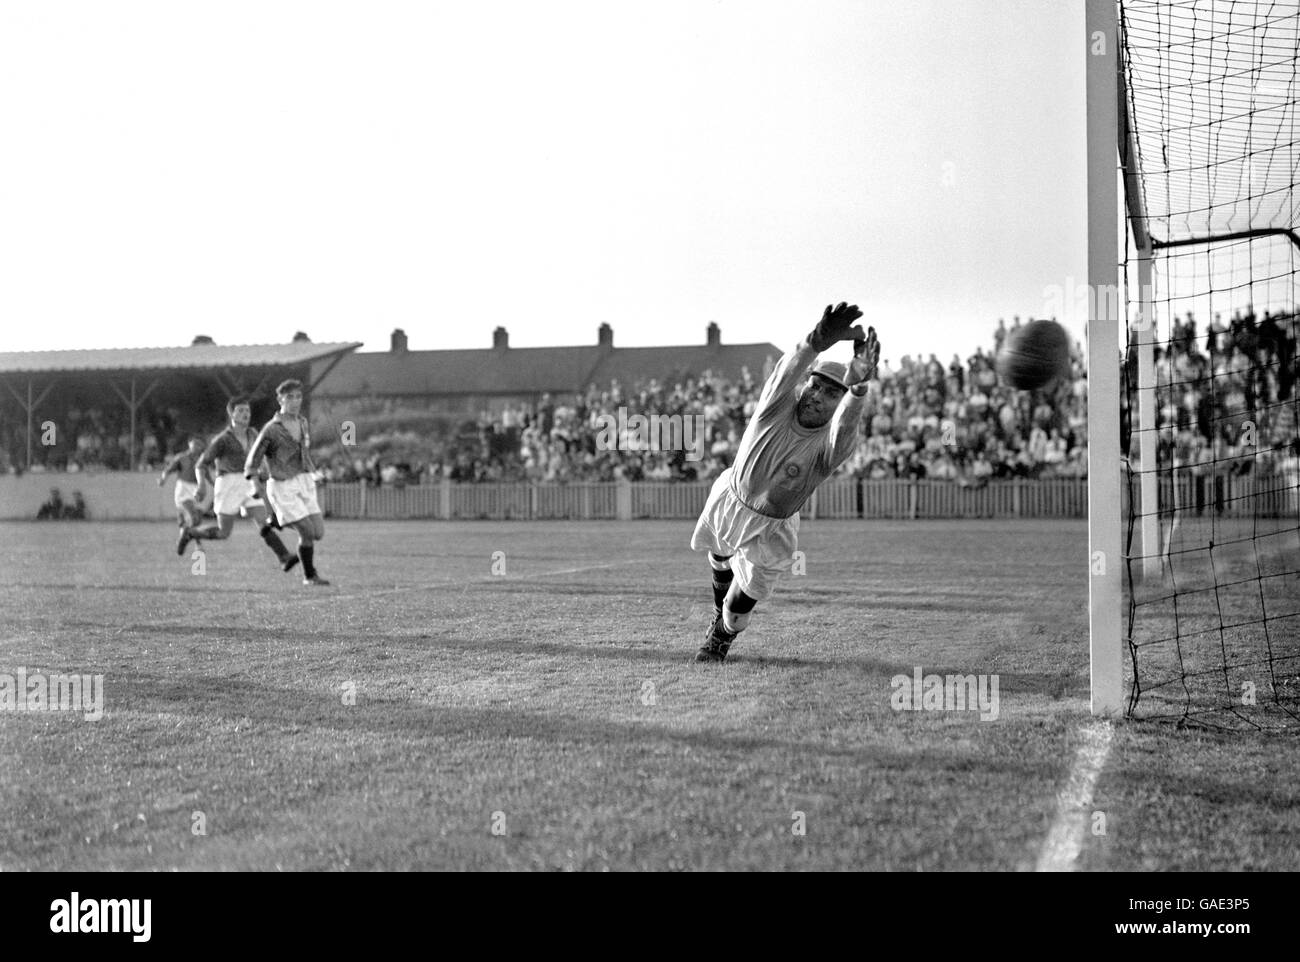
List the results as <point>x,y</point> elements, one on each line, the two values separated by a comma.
<point>250,170</point>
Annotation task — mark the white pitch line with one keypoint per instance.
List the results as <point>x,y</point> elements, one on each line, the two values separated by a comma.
<point>570,571</point>
<point>1074,803</point>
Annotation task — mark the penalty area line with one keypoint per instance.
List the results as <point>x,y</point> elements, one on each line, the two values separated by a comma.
<point>1064,842</point>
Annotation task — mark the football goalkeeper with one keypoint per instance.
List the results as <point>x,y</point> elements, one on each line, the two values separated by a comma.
<point>804,427</point>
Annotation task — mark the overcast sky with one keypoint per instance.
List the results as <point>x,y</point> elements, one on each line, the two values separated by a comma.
<point>248,170</point>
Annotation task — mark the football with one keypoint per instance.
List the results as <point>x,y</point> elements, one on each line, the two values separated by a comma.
<point>1034,355</point>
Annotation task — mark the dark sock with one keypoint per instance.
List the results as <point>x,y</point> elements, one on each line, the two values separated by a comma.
<point>738,604</point>
<point>721,582</point>
<point>305,551</point>
<point>274,543</point>
<point>742,604</point>
<point>209,531</point>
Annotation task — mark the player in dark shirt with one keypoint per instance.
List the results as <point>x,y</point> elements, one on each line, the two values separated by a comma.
<point>285,445</point>
<point>233,494</point>
<point>189,505</point>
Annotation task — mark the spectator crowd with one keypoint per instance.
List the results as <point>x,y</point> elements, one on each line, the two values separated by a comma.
<point>925,419</point>
<point>1225,397</point>
<point>94,438</point>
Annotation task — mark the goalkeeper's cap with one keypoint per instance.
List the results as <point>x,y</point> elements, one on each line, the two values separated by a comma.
<point>832,371</point>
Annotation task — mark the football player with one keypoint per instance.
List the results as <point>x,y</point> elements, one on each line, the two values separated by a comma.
<point>233,494</point>
<point>189,506</point>
<point>285,442</point>
<point>804,427</point>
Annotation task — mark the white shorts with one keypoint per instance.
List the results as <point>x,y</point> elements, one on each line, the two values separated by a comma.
<point>234,495</point>
<point>185,491</point>
<point>294,499</point>
<point>761,548</point>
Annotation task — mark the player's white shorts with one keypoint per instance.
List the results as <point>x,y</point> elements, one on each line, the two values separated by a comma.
<point>761,548</point>
<point>185,491</point>
<point>294,499</point>
<point>234,495</point>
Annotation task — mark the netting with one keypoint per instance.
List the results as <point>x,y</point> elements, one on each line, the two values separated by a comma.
<point>1209,153</point>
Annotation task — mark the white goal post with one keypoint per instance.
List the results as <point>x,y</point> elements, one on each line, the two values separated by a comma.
<point>1191,112</point>
<point>1105,556</point>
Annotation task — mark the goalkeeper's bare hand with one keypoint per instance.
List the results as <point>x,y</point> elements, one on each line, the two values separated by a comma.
<point>836,325</point>
<point>866,357</point>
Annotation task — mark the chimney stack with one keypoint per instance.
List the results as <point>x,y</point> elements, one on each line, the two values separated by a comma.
<point>500,339</point>
<point>398,344</point>
<point>605,335</point>
<point>714,334</point>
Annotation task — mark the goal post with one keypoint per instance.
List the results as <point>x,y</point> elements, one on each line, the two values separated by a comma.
<point>1105,558</point>
<point>1193,108</point>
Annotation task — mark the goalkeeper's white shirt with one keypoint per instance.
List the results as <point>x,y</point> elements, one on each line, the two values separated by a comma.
<point>780,463</point>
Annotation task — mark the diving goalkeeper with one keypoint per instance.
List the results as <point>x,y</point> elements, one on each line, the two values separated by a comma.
<point>804,427</point>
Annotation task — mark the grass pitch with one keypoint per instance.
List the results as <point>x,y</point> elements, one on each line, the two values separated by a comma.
<point>544,714</point>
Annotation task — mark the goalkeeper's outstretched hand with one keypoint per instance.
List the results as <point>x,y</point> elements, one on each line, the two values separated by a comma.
<point>866,356</point>
<point>836,325</point>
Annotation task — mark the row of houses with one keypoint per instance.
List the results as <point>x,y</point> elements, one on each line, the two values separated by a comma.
<point>492,379</point>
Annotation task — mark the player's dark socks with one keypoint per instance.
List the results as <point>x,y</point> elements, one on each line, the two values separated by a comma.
<point>741,603</point>
<point>275,544</point>
<point>211,532</point>
<point>722,575</point>
<point>305,552</point>
<point>721,583</point>
<point>735,614</point>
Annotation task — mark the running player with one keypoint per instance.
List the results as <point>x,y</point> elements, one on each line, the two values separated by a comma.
<point>285,443</point>
<point>189,506</point>
<point>233,493</point>
<point>804,427</point>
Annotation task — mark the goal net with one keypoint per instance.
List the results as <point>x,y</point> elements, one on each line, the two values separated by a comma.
<point>1208,153</point>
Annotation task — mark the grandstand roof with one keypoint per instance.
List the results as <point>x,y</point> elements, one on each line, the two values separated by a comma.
<point>530,370</point>
<point>194,357</point>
